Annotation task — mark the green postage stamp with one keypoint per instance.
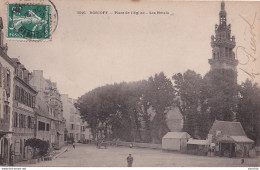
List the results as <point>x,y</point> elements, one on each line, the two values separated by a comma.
<point>28,21</point>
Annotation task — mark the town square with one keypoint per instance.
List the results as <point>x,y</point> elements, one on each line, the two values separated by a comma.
<point>129,84</point>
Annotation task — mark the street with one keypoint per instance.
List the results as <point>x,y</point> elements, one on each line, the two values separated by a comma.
<point>90,156</point>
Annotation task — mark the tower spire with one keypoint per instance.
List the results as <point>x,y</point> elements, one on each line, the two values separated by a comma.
<point>222,44</point>
<point>222,6</point>
<point>222,14</point>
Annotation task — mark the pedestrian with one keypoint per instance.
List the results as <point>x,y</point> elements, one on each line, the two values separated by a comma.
<point>242,160</point>
<point>73,145</point>
<point>130,160</point>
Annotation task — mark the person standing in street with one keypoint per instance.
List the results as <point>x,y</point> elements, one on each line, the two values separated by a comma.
<point>130,160</point>
<point>73,144</point>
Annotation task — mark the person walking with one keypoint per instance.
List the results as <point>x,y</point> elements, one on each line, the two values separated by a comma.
<point>130,160</point>
<point>73,144</point>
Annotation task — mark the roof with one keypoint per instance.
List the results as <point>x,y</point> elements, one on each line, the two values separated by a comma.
<point>225,139</point>
<point>242,139</point>
<point>227,128</point>
<point>16,60</point>
<point>198,142</point>
<point>176,135</point>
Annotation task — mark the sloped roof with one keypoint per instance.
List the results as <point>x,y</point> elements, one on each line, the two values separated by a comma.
<point>176,135</point>
<point>242,139</point>
<point>227,128</point>
<point>198,142</point>
<point>225,139</point>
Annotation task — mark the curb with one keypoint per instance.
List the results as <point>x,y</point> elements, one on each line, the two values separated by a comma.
<point>56,156</point>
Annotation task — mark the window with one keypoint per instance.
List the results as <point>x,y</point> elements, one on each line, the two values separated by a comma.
<point>21,146</point>
<point>15,119</point>
<point>33,101</point>
<point>8,78</point>
<point>20,120</point>
<point>23,119</point>
<point>29,121</point>
<point>6,109</point>
<point>72,126</point>
<point>47,127</point>
<point>41,126</point>
<point>16,96</point>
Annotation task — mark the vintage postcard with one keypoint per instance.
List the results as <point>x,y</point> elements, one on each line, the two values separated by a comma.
<point>131,83</point>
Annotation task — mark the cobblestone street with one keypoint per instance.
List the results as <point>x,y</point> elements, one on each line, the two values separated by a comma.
<point>90,156</point>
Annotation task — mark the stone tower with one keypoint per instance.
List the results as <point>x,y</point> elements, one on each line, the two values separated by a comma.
<point>222,45</point>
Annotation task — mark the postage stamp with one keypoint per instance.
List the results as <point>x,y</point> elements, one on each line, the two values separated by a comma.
<point>29,21</point>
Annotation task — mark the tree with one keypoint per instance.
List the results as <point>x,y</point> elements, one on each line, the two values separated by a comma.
<point>248,112</point>
<point>221,90</point>
<point>161,97</point>
<point>39,144</point>
<point>188,88</point>
<point>122,109</point>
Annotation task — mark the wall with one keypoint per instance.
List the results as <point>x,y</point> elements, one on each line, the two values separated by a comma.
<point>171,144</point>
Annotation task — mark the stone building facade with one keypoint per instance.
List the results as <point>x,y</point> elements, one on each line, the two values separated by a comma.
<point>6,100</point>
<point>49,112</point>
<point>23,112</point>
<point>76,129</point>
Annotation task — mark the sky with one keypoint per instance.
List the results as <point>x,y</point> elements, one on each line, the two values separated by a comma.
<point>91,50</point>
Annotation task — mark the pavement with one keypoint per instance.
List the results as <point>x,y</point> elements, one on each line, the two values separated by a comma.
<point>89,156</point>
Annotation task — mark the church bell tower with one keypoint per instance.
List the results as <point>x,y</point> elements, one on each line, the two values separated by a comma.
<point>222,45</point>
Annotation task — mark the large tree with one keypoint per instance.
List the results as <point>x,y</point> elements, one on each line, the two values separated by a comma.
<point>221,91</point>
<point>191,100</point>
<point>161,97</point>
<point>248,112</point>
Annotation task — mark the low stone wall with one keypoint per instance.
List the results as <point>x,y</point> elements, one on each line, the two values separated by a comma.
<point>140,145</point>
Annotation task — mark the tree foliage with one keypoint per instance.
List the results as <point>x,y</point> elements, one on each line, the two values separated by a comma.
<point>248,112</point>
<point>191,100</point>
<point>120,110</point>
<point>39,144</point>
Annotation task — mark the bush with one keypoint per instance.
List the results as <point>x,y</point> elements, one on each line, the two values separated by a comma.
<point>40,145</point>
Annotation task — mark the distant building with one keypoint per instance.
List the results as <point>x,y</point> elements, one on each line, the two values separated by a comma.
<point>6,100</point>
<point>76,129</point>
<point>23,112</point>
<point>230,139</point>
<point>49,110</point>
<point>176,141</point>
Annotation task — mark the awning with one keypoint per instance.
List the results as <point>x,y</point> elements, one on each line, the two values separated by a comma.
<point>225,139</point>
<point>241,139</point>
<point>198,142</point>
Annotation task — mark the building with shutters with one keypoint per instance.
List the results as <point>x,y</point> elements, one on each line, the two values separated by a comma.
<point>76,129</point>
<point>23,112</point>
<point>6,100</point>
<point>50,122</point>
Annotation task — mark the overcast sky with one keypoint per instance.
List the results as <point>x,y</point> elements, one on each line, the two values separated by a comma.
<point>87,51</point>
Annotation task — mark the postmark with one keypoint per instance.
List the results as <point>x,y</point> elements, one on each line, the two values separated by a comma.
<point>29,21</point>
